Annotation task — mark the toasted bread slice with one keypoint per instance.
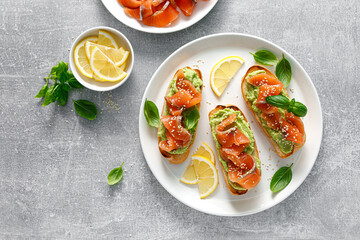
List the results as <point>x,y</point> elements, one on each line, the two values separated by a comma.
<point>178,158</point>
<point>249,104</point>
<point>235,108</point>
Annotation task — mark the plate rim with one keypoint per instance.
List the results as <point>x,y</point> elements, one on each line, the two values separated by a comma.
<point>155,30</point>
<point>317,102</point>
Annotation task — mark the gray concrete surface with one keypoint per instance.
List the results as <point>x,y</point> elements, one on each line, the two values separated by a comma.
<point>53,164</point>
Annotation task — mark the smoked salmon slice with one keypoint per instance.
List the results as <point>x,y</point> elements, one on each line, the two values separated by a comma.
<point>186,6</point>
<point>130,3</point>
<point>248,179</point>
<point>175,128</point>
<point>228,135</point>
<point>170,143</point>
<point>291,133</point>
<point>180,99</point>
<point>146,9</point>
<point>163,17</point>
<point>132,12</point>
<point>273,120</point>
<point>296,121</point>
<point>186,97</point>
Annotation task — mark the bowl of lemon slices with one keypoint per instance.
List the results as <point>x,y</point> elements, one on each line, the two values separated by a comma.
<point>101,58</point>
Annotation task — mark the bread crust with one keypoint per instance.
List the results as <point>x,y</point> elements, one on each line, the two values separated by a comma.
<point>178,158</point>
<point>235,108</point>
<point>244,90</point>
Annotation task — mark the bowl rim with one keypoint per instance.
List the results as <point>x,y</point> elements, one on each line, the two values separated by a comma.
<point>80,78</point>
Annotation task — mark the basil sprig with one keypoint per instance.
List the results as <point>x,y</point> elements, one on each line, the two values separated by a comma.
<point>151,113</point>
<point>283,71</point>
<point>281,179</point>
<point>85,109</point>
<point>265,57</point>
<point>63,79</point>
<point>115,175</point>
<point>297,108</point>
<point>191,117</point>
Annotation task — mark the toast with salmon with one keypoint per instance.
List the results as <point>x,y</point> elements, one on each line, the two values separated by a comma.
<point>285,130</point>
<point>236,147</point>
<point>182,102</point>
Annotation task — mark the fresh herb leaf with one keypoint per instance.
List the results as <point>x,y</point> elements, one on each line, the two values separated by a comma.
<point>191,118</point>
<point>281,179</point>
<point>283,71</point>
<point>151,113</point>
<point>85,109</point>
<point>115,175</point>
<point>278,101</point>
<point>43,90</point>
<point>297,108</point>
<point>63,94</point>
<point>265,57</point>
<point>50,95</point>
<point>59,68</point>
<point>74,83</point>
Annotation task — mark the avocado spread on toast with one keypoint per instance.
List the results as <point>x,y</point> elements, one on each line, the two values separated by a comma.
<point>252,94</point>
<point>193,77</point>
<point>244,127</point>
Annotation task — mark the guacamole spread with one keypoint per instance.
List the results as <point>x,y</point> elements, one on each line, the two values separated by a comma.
<point>244,127</point>
<point>193,77</point>
<point>252,94</point>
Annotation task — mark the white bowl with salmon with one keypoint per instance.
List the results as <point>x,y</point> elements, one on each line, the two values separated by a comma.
<point>159,16</point>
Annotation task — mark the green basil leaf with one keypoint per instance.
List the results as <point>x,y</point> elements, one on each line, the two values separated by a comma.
<point>85,109</point>
<point>191,118</point>
<point>43,90</point>
<point>63,94</point>
<point>151,113</point>
<point>278,101</point>
<point>62,76</point>
<point>59,68</point>
<point>115,175</point>
<point>265,57</point>
<point>281,179</point>
<point>299,109</point>
<point>283,71</point>
<point>51,95</point>
<point>74,83</point>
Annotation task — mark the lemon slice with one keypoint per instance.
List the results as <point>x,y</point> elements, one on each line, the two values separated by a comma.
<point>207,175</point>
<point>189,176</point>
<point>205,151</point>
<point>81,61</point>
<point>104,68</point>
<point>106,39</point>
<point>117,55</point>
<point>223,72</point>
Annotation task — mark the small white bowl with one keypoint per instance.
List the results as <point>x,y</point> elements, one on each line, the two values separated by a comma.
<point>91,83</point>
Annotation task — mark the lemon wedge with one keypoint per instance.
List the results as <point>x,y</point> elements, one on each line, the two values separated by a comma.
<point>223,72</point>
<point>80,59</point>
<point>205,151</point>
<point>117,55</point>
<point>207,175</point>
<point>107,39</point>
<point>189,176</point>
<point>104,68</point>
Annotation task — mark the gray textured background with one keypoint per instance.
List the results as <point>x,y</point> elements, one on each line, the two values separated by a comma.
<point>53,164</point>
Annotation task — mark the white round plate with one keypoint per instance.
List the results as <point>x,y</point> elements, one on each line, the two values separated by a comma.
<point>204,53</point>
<point>201,9</point>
